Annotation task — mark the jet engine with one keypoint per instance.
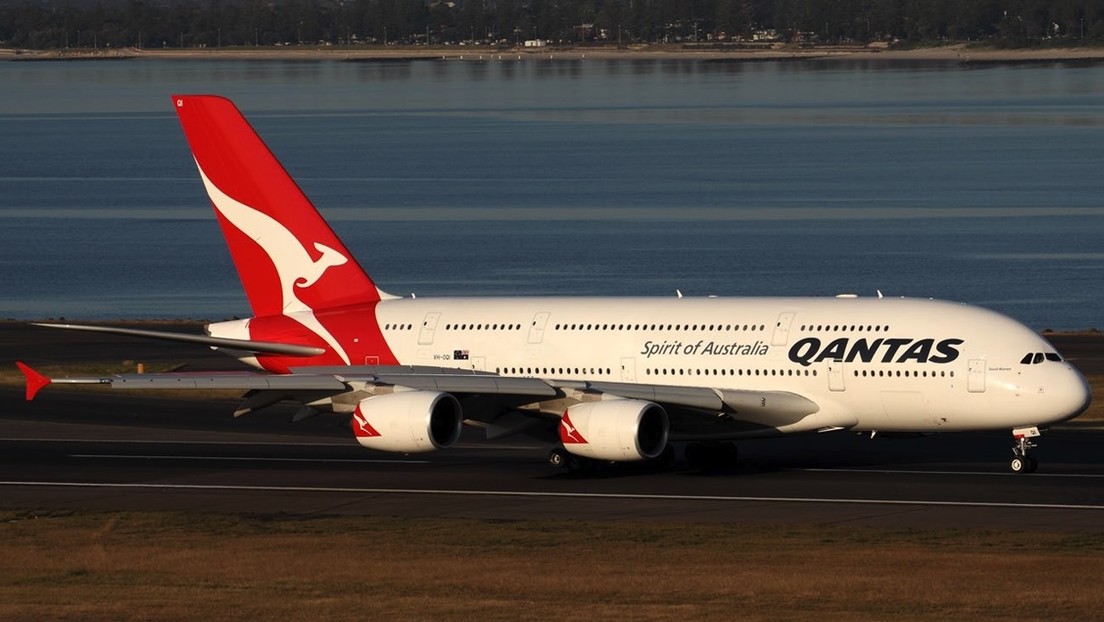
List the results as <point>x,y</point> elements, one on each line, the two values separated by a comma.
<point>620,430</point>
<point>408,421</point>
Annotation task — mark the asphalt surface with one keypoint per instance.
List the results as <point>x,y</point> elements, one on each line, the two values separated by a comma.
<point>110,451</point>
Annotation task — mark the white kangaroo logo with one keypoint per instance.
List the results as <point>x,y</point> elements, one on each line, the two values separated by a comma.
<point>294,265</point>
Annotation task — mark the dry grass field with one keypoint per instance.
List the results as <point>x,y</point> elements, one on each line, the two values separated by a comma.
<point>170,566</point>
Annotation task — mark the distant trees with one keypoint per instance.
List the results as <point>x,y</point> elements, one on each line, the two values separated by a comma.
<point>210,23</point>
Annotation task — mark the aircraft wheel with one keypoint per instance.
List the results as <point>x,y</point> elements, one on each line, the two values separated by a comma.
<point>1019,464</point>
<point>559,458</point>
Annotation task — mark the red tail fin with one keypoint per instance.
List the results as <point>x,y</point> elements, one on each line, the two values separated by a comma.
<point>287,257</point>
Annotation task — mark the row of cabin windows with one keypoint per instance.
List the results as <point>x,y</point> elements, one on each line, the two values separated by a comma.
<point>728,327</point>
<point>600,371</point>
<point>594,371</point>
<point>845,328</point>
<point>881,373</point>
<point>729,372</point>
<point>692,327</point>
<point>482,326</point>
<point>714,327</point>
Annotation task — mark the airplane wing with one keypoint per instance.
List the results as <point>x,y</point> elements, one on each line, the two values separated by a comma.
<point>696,412</point>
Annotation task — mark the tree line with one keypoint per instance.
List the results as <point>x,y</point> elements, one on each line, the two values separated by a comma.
<point>46,24</point>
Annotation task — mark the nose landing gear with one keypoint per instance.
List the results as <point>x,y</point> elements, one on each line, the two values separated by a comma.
<point>1022,460</point>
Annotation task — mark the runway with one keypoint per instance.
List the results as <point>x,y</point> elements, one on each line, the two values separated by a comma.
<point>110,451</point>
<point>105,452</point>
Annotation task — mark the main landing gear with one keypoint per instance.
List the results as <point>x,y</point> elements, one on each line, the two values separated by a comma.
<point>1022,461</point>
<point>563,459</point>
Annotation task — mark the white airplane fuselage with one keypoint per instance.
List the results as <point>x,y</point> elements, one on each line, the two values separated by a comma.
<point>869,364</point>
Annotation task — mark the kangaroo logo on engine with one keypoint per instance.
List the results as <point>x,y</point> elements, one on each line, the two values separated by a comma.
<point>894,350</point>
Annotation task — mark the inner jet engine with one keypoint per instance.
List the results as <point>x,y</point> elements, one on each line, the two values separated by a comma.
<point>408,421</point>
<point>618,430</point>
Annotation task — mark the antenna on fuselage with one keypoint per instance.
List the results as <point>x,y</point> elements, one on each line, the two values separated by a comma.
<point>678,293</point>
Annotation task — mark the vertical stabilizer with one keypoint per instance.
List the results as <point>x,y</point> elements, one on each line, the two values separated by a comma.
<point>288,258</point>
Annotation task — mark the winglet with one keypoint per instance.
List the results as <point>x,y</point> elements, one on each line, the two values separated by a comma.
<point>35,380</point>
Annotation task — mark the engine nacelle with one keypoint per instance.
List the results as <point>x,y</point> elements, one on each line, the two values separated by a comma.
<point>408,421</point>
<point>621,430</point>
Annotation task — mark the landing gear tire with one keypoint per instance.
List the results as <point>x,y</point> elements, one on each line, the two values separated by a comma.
<point>1024,464</point>
<point>1019,465</point>
<point>559,458</point>
<point>576,465</point>
<point>1022,460</point>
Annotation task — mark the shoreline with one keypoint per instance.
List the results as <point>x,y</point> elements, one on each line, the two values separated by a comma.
<point>961,53</point>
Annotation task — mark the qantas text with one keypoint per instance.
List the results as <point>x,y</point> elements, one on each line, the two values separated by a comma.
<point>892,350</point>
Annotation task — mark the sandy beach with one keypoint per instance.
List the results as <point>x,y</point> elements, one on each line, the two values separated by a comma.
<point>961,53</point>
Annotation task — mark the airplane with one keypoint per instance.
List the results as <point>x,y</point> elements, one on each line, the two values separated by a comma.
<point>601,379</point>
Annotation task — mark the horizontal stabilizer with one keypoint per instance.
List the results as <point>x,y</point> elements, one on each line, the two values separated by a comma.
<point>244,345</point>
<point>35,381</point>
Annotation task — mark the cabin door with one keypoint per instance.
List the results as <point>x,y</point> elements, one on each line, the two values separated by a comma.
<point>975,379</point>
<point>835,375</point>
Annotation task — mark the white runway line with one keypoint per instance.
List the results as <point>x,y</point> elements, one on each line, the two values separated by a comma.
<point>245,459</point>
<point>554,495</point>
<point>289,443</point>
<point>970,473</point>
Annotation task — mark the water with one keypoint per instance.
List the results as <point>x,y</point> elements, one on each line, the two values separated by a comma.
<point>572,177</point>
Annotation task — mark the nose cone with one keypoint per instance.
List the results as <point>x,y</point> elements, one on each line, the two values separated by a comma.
<point>1071,396</point>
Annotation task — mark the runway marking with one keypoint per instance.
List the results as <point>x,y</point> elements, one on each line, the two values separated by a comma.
<point>913,472</point>
<point>246,459</point>
<point>555,495</point>
<point>292,443</point>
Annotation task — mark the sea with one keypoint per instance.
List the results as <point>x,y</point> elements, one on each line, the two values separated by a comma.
<point>493,175</point>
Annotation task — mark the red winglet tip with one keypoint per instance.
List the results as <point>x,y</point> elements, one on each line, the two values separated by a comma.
<point>35,380</point>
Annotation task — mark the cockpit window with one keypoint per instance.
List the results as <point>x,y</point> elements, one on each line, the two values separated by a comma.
<point>1034,358</point>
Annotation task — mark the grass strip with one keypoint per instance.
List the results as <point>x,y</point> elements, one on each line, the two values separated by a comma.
<point>191,566</point>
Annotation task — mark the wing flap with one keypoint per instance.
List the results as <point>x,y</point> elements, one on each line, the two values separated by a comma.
<point>302,381</point>
<point>444,379</point>
<point>233,381</point>
<point>246,381</point>
<point>690,397</point>
<point>766,412</point>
